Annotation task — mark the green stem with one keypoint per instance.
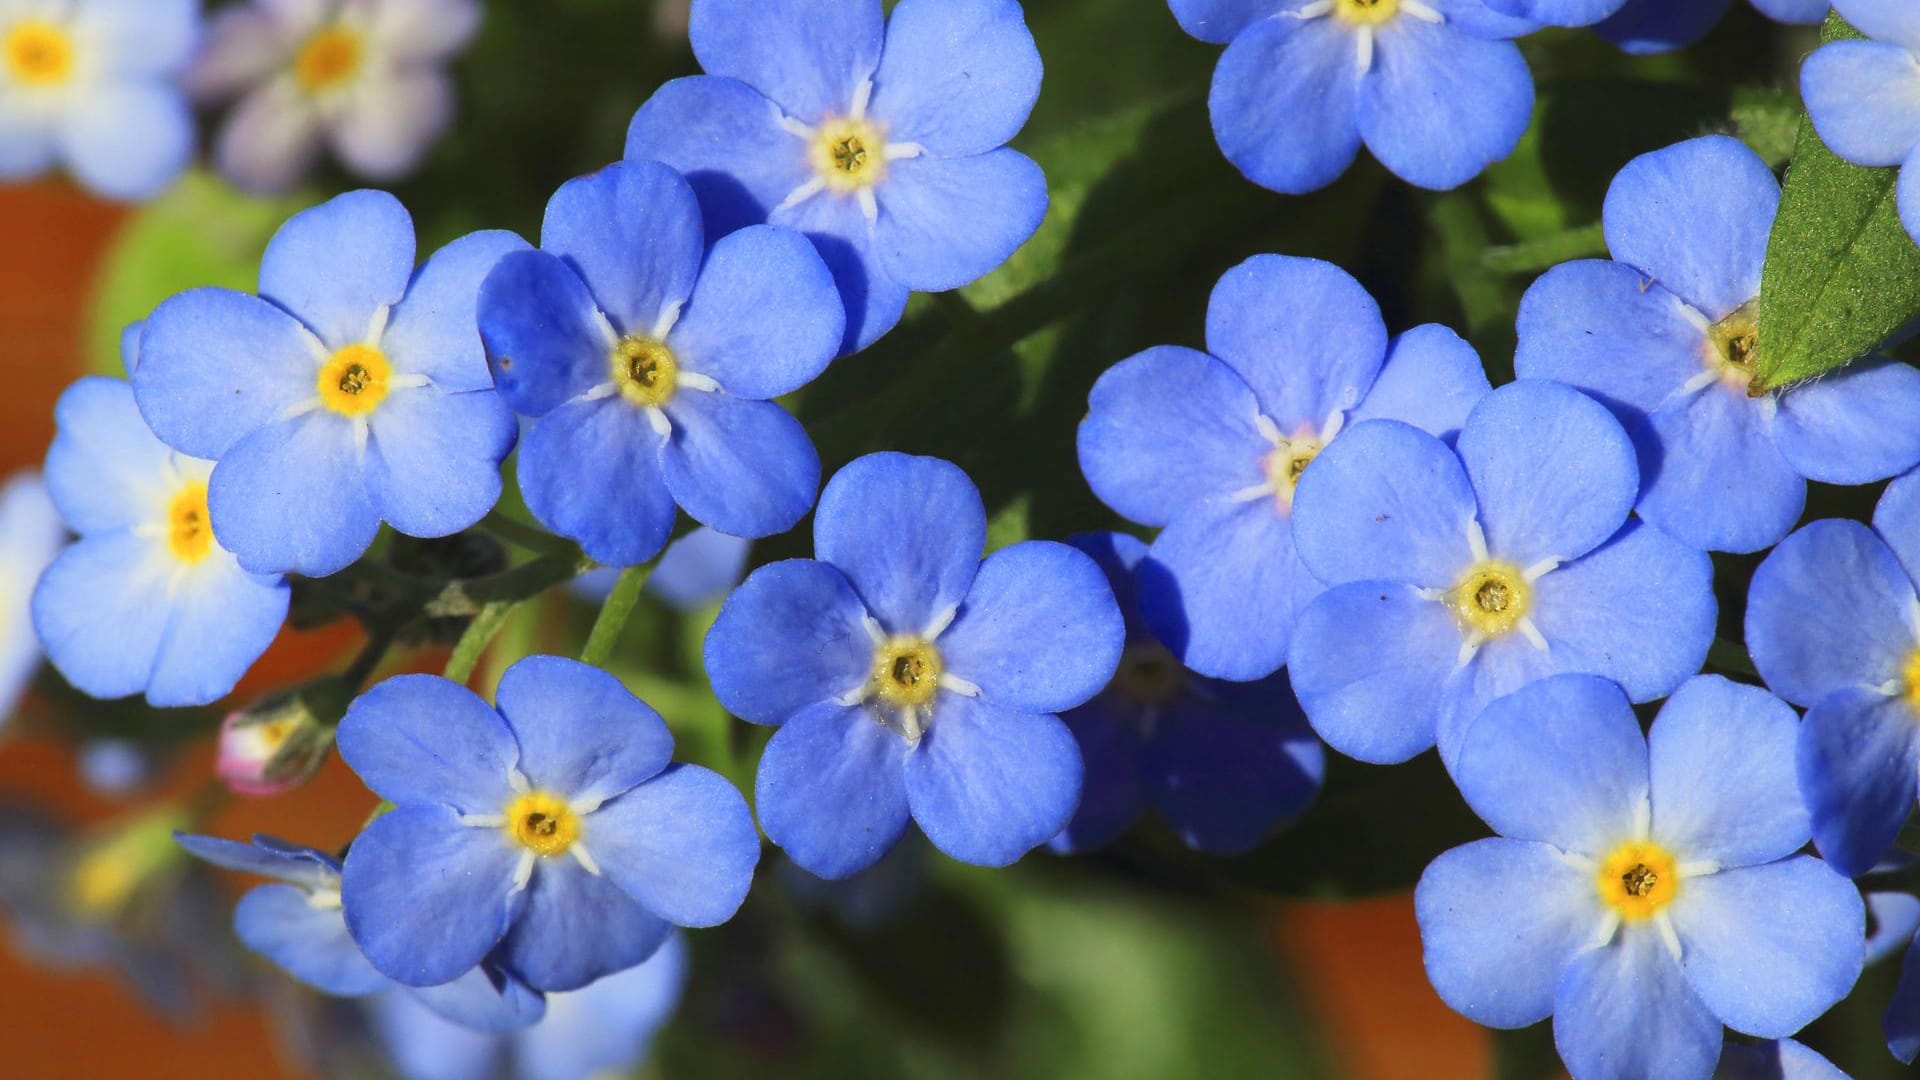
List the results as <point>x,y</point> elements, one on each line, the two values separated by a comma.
<point>523,582</point>
<point>480,633</point>
<point>523,535</point>
<point>1533,256</point>
<point>613,615</point>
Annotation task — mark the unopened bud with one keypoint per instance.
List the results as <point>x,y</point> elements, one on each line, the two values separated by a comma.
<point>278,744</point>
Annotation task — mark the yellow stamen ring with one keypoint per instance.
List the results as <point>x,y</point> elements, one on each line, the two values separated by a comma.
<point>1491,599</point>
<point>1366,12</point>
<point>328,59</point>
<point>1638,880</point>
<point>543,823</point>
<point>906,672</point>
<point>189,525</point>
<point>39,54</point>
<point>355,380</point>
<point>848,155</point>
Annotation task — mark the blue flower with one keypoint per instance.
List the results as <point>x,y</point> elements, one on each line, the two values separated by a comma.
<point>95,85</point>
<point>649,365</point>
<point>555,829</point>
<point>1211,446</point>
<point>1781,1060</point>
<point>1458,578</point>
<point>1432,87</point>
<point>298,924</point>
<point>148,600</point>
<point>883,139</point>
<point>1666,334</point>
<point>1223,762</point>
<point>909,678</point>
<point>31,534</point>
<point>606,1029</point>
<point>1833,623</point>
<point>351,391</point>
<point>1864,96</point>
<point>1643,890</point>
<point>1901,1022</point>
<point>1652,26</point>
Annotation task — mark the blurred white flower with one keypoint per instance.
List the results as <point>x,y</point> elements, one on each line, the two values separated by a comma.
<point>31,534</point>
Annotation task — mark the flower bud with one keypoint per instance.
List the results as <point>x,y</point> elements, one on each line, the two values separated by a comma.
<point>278,744</point>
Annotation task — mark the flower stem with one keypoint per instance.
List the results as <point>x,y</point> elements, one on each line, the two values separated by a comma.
<point>480,633</point>
<point>523,535</point>
<point>613,615</point>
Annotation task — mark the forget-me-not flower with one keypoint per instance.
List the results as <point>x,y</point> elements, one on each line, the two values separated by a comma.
<point>883,138</point>
<point>1833,623</point>
<point>352,390</point>
<point>1652,26</point>
<point>1666,335</point>
<point>649,362</point>
<point>1223,762</point>
<point>1644,891</point>
<point>909,678</point>
<point>363,78</point>
<point>94,85</point>
<point>1457,577</point>
<point>1212,446</point>
<point>31,534</point>
<point>149,599</point>
<point>555,828</point>
<point>1433,88</point>
<point>1864,96</point>
<point>298,923</point>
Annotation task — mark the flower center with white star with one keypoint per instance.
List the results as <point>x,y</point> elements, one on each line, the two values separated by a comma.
<point>905,678</point>
<point>1287,459</point>
<point>1365,17</point>
<point>39,54</point>
<point>847,155</point>
<point>1492,598</point>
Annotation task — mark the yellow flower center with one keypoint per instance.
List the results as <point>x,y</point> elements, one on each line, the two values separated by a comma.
<point>1638,880</point>
<point>1913,678</point>
<point>849,154</point>
<point>1733,346</point>
<point>1285,465</point>
<point>906,672</point>
<point>328,59</point>
<point>189,527</point>
<point>1366,12</point>
<point>1491,599</point>
<point>39,54</point>
<point>543,823</point>
<point>645,371</point>
<point>1149,675</point>
<point>355,381</point>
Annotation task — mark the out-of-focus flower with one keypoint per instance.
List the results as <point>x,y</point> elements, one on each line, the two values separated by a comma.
<point>95,85</point>
<point>363,78</point>
<point>31,534</point>
<point>694,571</point>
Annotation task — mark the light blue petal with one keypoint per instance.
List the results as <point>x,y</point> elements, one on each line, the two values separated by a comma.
<point>681,844</point>
<point>606,1029</point>
<point>222,619</point>
<point>1223,587</point>
<point>1440,106</point>
<point>544,338</point>
<point>1560,761</point>
<point>217,365</point>
<point>130,347</point>
<point>1119,556</point>
<point>582,734</point>
<point>1883,20</point>
<point>1724,786</point>
<point>1828,611</point>
<point>1220,21</point>
<point>1907,195</point>
<point>1892,918</point>
<point>698,569</point>
<point>1385,501</point>
<point>989,784</point>
<point>789,638</point>
<point>432,331</point>
<point>1646,27</point>
<point>1285,103</point>
<point>806,56</point>
<point>1500,667</point>
<point>1897,520</point>
<point>485,999</point>
<point>590,471</point>
<point>1640,611</point>
<point>1864,99</point>
<point>424,1045</point>
<point>1168,427</point>
<point>1769,948</point>
<point>765,318</point>
<point>1696,217</point>
<point>948,222</point>
<point>128,140</point>
<point>1859,767</point>
<point>907,532</point>
<point>1229,763</point>
<point>1624,1011</point>
<point>292,863</point>
<point>433,461</point>
<point>139,37</point>
<point>1368,662</point>
<point>958,76</point>
<point>1113,794</point>
<point>337,264</point>
<point>1432,379</point>
<point>744,467</point>
<point>1558,12</point>
<point>426,896</point>
<point>1476,17</point>
<point>577,927</point>
<point>1605,328</point>
<point>1712,477</point>
<point>632,231</point>
<point>1303,333</point>
<point>1500,920</point>
<point>1854,426</point>
<point>726,139</point>
<point>1554,473</point>
<point>873,299</point>
<point>831,790</point>
<point>421,739</point>
<point>1805,12</point>
<point>105,470</point>
<point>1039,631</point>
<point>29,143</point>
<point>306,941</point>
<point>1901,1023</point>
<point>101,612</point>
<point>291,498</point>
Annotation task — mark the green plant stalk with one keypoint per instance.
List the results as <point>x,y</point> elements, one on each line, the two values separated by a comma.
<point>479,634</point>
<point>613,615</point>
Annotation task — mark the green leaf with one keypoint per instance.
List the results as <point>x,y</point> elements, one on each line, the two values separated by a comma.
<point>1842,274</point>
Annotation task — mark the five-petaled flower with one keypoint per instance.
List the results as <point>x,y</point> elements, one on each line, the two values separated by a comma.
<point>883,138</point>
<point>649,362</point>
<point>911,679</point>
<point>555,829</point>
<point>1644,890</point>
<point>350,391</point>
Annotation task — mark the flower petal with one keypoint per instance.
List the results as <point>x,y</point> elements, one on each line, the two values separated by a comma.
<point>840,232</point>
<point>306,941</point>
<point>216,365</point>
<point>907,532</point>
<point>1859,766</point>
<point>1431,379</point>
<point>101,612</point>
<point>1113,793</point>
<point>765,318</point>
<point>948,222</point>
<point>545,338</point>
<point>989,784</point>
<point>1229,764</point>
<point>222,618</point>
<point>1864,99</point>
<point>746,468</point>
<point>432,331</point>
<point>337,264</point>
<point>1039,630</point>
<point>1624,1011</point>
<point>577,927</point>
<point>581,732</point>
<point>1440,106</point>
<point>958,77</point>
<point>128,140</point>
<point>632,231</point>
<point>1368,662</point>
<point>291,498</point>
<point>139,37</point>
<point>1605,328</point>
<point>1852,427</point>
<point>681,844</point>
<point>1303,333</point>
<point>1696,216</point>
<point>612,1029</point>
<point>427,897</point>
<point>1711,475</point>
<point>831,790</point>
<point>484,1001</point>
<point>433,458</point>
<point>1647,27</point>
<point>1220,21</point>
<point>808,57</point>
<point>1557,12</point>
<point>789,638</point>
<point>1830,610</point>
<point>105,470</point>
<point>423,740</point>
<point>1384,501</point>
<point>1724,787</point>
<point>1285,103</point>
<point>270,140</point>
<point>726,139</point>
<point>388,121</point>
<point>1883,20</point>
<point>1902,1019</point>
<point>1897,520</point>
<point>566,461</point>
